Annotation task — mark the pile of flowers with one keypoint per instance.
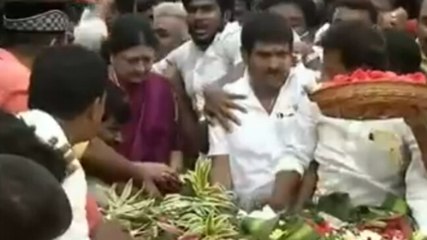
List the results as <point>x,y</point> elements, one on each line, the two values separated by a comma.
<point>207,212</point>
<point>374,76</point>
<point>333,218</point>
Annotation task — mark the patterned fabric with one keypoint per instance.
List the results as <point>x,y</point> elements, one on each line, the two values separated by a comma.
<point>51,21</point>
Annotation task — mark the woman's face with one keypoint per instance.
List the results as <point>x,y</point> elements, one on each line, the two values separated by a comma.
<point>131,65</point>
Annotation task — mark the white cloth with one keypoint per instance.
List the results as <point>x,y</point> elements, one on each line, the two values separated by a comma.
<point>199,68</point>
<point>74,185</point>
<point>366,159</point>
<point>255,148</point>
<point>91,30</point>
<point>321,32</point>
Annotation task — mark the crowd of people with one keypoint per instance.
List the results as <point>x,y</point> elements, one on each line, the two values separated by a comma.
<point>103,91</point>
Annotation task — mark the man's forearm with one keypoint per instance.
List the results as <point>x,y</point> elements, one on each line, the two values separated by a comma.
<point>102,161</point>
<point>221,173</point>
<point>285,190</point>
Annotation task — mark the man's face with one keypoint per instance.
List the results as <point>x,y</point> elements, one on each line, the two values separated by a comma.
<point>293,15</point>
<point>347,14</point>
<point>204,20</point>
<point>269,64</point>
<point>240,9</point>
<point>332,64</point>
<point>171,32</point>
<point>422,27</point>
<point>133,64</point>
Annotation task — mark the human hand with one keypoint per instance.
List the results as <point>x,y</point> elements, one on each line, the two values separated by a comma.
<point>157,175</point>
<point>395,19</point>
<point>111,230</point>
<point>219,105</point>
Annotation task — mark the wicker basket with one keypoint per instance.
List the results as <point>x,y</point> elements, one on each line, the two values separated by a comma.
<point>371,100</point>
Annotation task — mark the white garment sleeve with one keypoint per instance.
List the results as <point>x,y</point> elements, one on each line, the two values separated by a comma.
<point>416,183</point>
<point>218,144</point>
<point>172,58</point>
<point>302,138</point>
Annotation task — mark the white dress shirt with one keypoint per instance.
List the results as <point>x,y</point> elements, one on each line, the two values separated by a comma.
<point>199,68</point>
<point>255,148</point>
<point>366,159</point>
<point>74,185</point>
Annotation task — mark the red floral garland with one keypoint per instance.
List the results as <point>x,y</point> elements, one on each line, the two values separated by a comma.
<point>375,76</point>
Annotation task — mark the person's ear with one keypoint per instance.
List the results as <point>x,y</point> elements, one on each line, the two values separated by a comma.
<point>97,109</point>
<point>245,55</point>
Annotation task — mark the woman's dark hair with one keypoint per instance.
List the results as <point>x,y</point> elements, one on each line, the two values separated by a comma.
<point>66,80</point>
<point>128,31</point>
<point>18,139</point>
<point>117,106</point>
<point>403,52</point>
<point>308,7</point>
<point>33,204</point>
<point>360,46</point>
<point>255,31</point>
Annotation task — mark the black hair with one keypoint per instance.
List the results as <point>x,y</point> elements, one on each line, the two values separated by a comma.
<point>19,139</point>
<point>308,7</point>
<point>125,6</point>
<point>224,5</point>
<point>403,52</point>
<point>117,105</point>
<point>360,46</point>
<point>254,30</point>
<point>128,31</point>
<point>248,3</point>
<point>364,5</point>
<point>66,80</point>
<point>144,5</point>
<point>33,204</point>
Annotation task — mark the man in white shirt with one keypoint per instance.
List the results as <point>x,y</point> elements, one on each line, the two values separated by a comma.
<point>212,53</point>
<point>369,160</point>
<point>67,95</point>
<point>249,160</point>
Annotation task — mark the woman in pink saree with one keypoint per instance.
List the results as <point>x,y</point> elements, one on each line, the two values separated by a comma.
<point>152,133</point>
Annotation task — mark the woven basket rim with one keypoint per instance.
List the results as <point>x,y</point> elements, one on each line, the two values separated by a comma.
<point>392,84</point>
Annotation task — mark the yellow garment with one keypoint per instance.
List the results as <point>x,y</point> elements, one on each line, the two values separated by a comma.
<point>79,149</point>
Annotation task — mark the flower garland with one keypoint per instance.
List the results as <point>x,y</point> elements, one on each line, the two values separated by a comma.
<point>361,75</point>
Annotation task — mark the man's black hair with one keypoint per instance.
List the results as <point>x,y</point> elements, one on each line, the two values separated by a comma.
<point>125,6</point>
<point>224,5</point>
<point>18,139</point>
<point>33,204</point>
<point>144,5</point>
<point>65,81</point>
<point>308,7</point>
<point>130,30</point>
<point>359,45</point>
<point>365,5</point>
<point>117,106</point>
<point>255,31</point>
<point>403,52</point>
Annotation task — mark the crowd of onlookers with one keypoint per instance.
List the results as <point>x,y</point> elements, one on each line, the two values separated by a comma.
<point>102,91</point>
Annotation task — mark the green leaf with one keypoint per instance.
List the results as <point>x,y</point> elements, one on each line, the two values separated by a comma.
<point>337,205</point>
<point>396,204</point>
